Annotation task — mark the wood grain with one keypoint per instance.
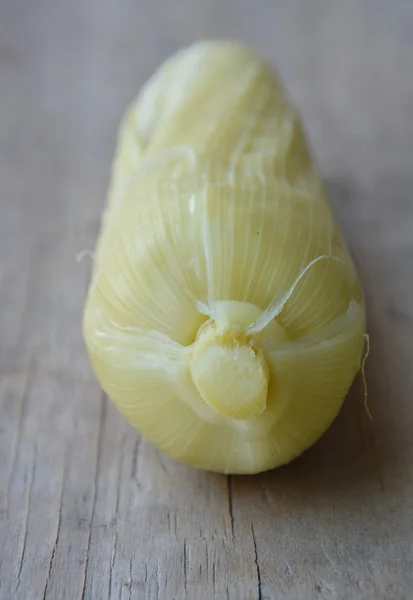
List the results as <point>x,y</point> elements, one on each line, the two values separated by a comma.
<point>88,509</point>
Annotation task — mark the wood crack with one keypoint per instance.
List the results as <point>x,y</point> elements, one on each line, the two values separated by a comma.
<point>102,418</point>
<point>115,524</point>
<point>130,579</point>
<point>230,504</point>
<point>185,567</point>
<point>27,516</point>
<point>112,562</point>
<point>257,564</point>
<point>213,577</point>
<point>59,523</point>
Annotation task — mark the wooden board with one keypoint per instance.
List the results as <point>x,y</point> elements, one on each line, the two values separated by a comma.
<point>88,509</point>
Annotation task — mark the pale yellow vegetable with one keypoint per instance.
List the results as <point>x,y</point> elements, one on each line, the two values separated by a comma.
<point>225,318</point>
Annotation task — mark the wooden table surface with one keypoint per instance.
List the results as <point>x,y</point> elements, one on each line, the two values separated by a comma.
<point>88,509</point>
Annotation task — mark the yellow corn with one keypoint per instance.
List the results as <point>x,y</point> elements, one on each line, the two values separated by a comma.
<point>225,318</point>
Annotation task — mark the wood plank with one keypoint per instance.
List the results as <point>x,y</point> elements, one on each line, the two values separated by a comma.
<point>89,509</point>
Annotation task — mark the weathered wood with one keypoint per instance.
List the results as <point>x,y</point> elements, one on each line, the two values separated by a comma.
<point>89,509</point>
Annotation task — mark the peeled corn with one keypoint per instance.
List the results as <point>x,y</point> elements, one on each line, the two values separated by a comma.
<point>225,318</point>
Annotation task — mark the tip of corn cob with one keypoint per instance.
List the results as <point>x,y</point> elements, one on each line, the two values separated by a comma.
<point>230,372</point>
